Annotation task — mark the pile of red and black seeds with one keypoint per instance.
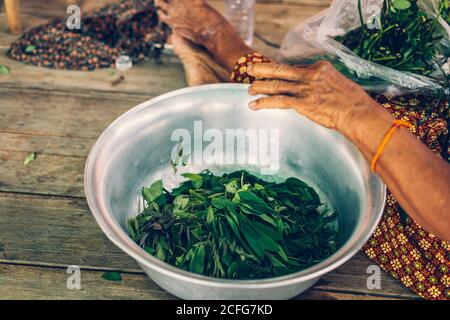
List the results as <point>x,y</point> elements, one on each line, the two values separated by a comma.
<point>130,27</point>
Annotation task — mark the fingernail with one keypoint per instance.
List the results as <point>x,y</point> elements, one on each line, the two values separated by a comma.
<point>252,105</point>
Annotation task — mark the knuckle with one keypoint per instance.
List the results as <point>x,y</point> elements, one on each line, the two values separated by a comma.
<point>257,83</point>
<point>279,69</point>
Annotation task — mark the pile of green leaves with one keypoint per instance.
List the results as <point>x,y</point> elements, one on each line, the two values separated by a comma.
<point>235,226</point>
<point>405,38</point>
<point>446,11</point>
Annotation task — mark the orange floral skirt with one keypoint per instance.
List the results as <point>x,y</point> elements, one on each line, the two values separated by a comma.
<point>399,245</point>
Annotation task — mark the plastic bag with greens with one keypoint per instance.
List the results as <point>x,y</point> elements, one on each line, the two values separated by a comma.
<point>321,38</point>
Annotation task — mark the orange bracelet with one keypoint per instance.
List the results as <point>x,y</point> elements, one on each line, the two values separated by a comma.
<point>397,124</point>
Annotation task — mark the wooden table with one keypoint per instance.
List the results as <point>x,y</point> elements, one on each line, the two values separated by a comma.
<point>45,223</point>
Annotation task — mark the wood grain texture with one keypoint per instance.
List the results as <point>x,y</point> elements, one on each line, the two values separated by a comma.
<point>63,128</point>
<point>25,282</point>
<point>273,21</point>
<point>70,236</point>
<point>148,78</point>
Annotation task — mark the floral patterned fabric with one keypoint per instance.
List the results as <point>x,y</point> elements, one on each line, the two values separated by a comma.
<point>399,245</point>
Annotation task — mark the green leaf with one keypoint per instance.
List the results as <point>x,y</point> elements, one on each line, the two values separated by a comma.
<point>402,4</point>
<point>257,186</point>
<point>131,229</point>
<point>155,190</point>
<point>210,215</point>
<point>254,203</point>
<point>112,276</point>
<point>30,48</point>
<point>161,249</point>
<point>222,203</point>
<point>4,70</point>
<point>182,214</point>
<point>232,270</point>
<point>257,239</point>
<point>149,250</point>
<point>233,226</point>
<point>181,202</point>
<point>29,159</point>
<point>261,228</point>
<point>195,179</point>
<point>232,187</point>
<point>275,262</point>
<point>197,264</point>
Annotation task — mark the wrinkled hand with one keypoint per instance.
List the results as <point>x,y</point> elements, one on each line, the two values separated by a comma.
<point>195,20</point>
<point>318,92</point>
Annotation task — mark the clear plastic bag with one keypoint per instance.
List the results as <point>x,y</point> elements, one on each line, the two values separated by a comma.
<point>314,40</point>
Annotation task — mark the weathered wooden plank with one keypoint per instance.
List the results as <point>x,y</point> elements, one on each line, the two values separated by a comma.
<point>61,113</point>
<point>60,128</point>
<point>273,21</point>
<point>47,174</point>
<point>352,278</point>
<point>149,77</point>
<point>26,143</point>
<point>314,294</point>
<point>26,282</point>
<point>23,282</point>
<point>59,231</point>
<point>55,231</point>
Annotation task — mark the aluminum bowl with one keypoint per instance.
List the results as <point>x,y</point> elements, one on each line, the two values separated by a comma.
<point>135,150</point>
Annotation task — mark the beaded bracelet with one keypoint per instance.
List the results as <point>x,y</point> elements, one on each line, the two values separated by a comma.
<point>239,74</point>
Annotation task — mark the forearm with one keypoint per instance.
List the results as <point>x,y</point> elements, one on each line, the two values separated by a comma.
<point>418,179</point>
<point>226,48</point>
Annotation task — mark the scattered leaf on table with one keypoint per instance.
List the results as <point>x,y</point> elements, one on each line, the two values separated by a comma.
<point>29,158</point>
<point>4,69</point>
<point>112,276</point>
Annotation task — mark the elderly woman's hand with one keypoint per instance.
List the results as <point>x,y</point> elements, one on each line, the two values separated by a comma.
<point>318,92</point>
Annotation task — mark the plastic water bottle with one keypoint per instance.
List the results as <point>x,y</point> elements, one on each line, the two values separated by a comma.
<point>241,14</point>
